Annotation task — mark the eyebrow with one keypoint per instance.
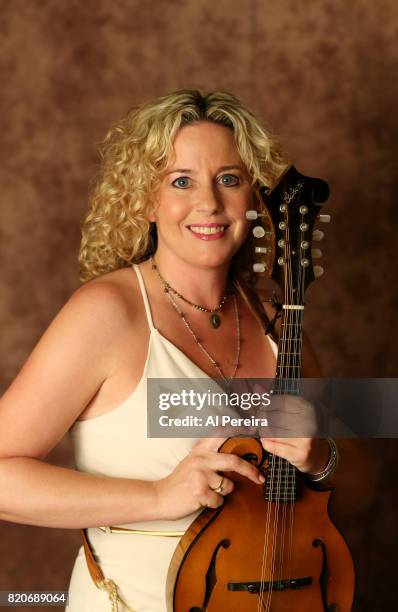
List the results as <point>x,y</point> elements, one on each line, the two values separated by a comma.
<point>230,167</point>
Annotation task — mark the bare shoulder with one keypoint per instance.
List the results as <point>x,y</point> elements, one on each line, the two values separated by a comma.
<point>104,310</point>
<point>67,367</point>
<point>119,289</point>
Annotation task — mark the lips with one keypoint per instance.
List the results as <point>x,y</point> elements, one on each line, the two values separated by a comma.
<point>208,231</point>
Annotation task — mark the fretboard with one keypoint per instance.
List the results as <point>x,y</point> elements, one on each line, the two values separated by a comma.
<point>281,478</point>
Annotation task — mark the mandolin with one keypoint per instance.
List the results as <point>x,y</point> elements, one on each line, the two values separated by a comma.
<point>272,547</point>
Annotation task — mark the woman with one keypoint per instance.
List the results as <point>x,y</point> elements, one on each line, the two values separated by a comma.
<point>178,175</point>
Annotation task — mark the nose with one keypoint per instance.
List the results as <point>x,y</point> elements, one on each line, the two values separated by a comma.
<point>209,200</point>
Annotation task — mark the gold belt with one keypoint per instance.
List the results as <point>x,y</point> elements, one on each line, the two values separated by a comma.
<point>167,534</point>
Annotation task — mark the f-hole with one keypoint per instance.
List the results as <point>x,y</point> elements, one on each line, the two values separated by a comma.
<point>324,577</point>
<point>211,577</point>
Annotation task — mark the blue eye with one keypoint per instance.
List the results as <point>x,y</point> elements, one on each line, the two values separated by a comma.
<point>182,182</point>
<point>229,180</point>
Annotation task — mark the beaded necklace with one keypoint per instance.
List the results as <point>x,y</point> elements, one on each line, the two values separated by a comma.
<point>169,293</point>
<point>215,318</point>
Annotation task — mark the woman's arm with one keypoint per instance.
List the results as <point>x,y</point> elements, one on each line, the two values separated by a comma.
<point>33,492</point>
<point>65,370</point>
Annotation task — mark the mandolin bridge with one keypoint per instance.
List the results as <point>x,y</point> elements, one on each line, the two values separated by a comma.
<point>274,585</point>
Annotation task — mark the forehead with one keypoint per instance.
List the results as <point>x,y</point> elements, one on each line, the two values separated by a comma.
<point>206,141</point>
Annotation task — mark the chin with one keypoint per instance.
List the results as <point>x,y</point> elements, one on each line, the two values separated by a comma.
<point>212,260</point>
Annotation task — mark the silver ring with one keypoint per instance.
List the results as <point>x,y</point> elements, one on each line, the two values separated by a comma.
<point>218,489</point>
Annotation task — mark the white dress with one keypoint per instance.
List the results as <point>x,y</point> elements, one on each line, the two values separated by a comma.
<point>116,444</point>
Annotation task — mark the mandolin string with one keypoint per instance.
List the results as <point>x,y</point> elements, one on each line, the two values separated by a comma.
<point>291,481</point>
<point>283,370</point>
<point>268,541</point>
<point>271,480</point>
<point>297,365</point>
<point>285,466</point>
<point>288,510</point>
<point>291,468</point>
<point>290,362</point>
<point>274,514</point>
<point>266,546</point>
<point>276,460</point>
<point>298,357</point>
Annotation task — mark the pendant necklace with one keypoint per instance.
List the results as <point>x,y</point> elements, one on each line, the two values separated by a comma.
<point>203,349</point>
<point>215,319</point>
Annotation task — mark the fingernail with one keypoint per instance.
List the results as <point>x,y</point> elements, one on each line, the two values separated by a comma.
<point>261,478</point>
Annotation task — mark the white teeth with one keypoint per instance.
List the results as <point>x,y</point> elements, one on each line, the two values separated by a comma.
<point>207,230</point>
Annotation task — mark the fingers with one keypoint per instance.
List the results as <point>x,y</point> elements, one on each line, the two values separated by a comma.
<point>290,416</point>
<point>224,485</point>
<point>295,450</point>
<point>215,495</point>
<point>205,453</point>
<point>283,447</point>
<point>226,462</point>
<point>207,448</point>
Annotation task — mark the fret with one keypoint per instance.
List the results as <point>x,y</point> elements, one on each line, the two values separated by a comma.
<point>280,496</point>
<point>291,324</point>
<point>282,492</point>
<point>292,498</point>
<point>295,338</point>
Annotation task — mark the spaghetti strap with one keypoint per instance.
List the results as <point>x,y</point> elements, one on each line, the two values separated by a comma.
<point>144,297</point>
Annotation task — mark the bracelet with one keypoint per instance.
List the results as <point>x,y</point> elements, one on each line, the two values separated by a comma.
<point>331,466</point>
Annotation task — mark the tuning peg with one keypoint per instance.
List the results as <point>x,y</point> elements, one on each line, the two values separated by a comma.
<point>262,250</point>
<point>318,271</point>
<point>252,215</point>
<point>259,267</point>
<point>316,253</point>
<point>324,218</point>
<point>317,235</point>
<point>258,231</point>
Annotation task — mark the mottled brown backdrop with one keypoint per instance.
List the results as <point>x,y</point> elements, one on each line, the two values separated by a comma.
<point>322,75</point>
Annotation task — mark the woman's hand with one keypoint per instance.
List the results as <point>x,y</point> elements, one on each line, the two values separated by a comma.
<point>290,418</point>
<point>190,486</point>
<point>309,455</point>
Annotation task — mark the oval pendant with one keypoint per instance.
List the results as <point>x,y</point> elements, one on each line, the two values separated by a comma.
<point>215,320</point>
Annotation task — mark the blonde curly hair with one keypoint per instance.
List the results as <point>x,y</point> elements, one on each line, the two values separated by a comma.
<point>116,231</point>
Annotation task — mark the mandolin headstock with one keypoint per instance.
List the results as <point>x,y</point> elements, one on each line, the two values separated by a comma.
<point>292,209</point>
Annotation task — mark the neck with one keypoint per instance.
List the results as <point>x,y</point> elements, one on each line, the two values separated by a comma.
<point>289,352</point>
<point>201,285</point>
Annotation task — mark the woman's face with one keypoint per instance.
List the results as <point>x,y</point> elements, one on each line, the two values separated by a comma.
<point>201,203</point>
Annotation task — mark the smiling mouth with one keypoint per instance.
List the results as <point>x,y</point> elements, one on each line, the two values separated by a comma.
<point>206,230</point>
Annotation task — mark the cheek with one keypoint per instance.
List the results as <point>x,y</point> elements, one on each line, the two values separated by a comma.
<point>176,209</point>
<point>171,212</point>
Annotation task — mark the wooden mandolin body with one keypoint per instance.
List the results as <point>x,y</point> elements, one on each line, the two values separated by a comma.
<point>217,565</point>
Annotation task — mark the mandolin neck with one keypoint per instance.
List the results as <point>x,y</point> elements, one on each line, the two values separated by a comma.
<point>281,483</point>
<point>288,366</point>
